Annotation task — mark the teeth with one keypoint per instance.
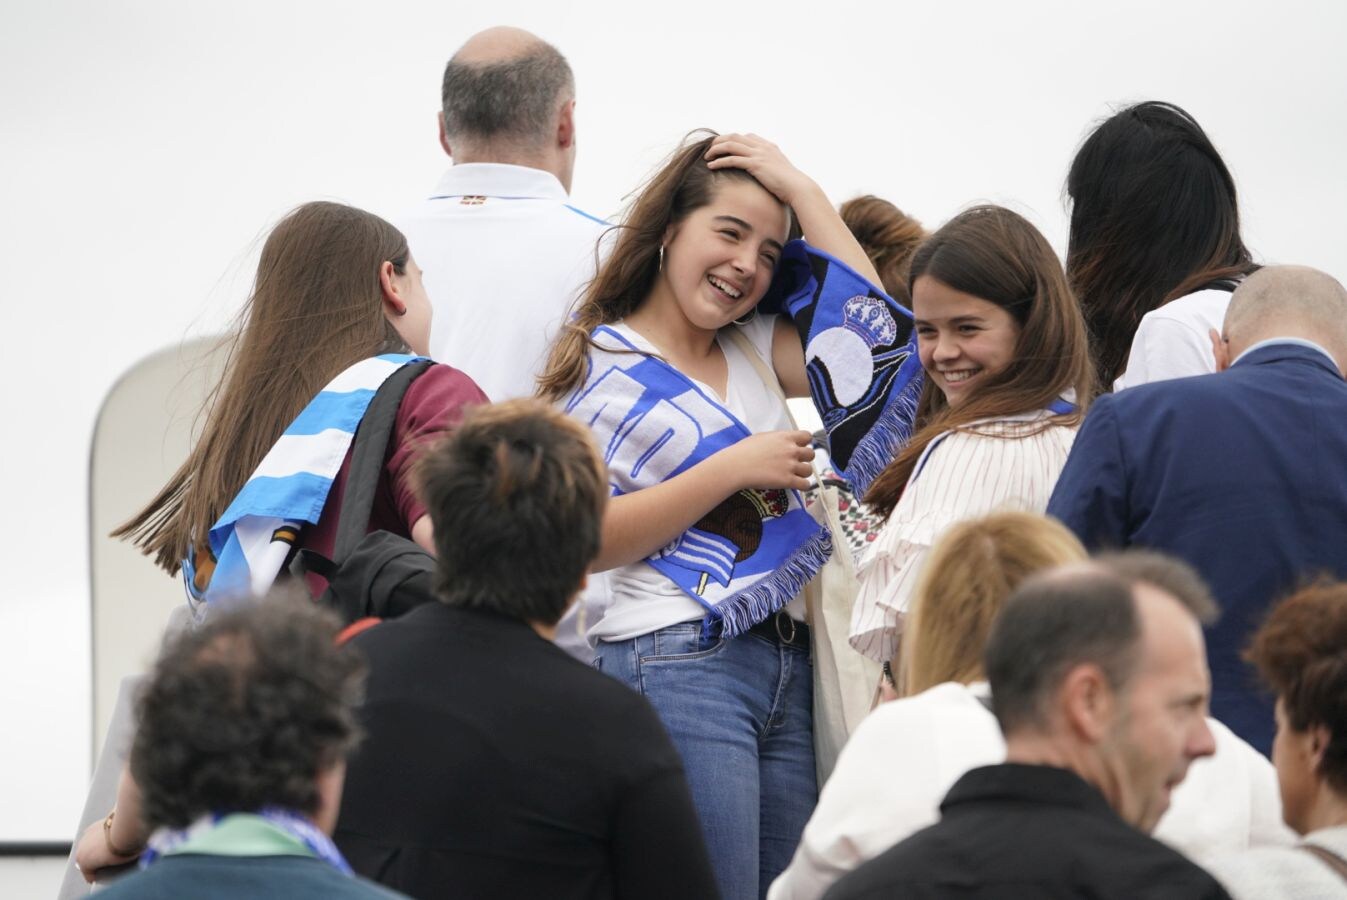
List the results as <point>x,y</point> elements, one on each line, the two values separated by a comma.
<point>724,287</point>
<point>961,375</point>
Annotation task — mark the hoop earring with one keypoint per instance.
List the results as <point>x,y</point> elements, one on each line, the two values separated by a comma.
<point>661,258</point>
<point>752,314</point>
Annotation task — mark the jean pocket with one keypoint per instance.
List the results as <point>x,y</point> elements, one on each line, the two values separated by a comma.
<point>681,642</point>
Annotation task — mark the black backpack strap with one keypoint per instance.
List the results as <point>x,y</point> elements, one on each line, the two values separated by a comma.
<point>362,479</point>
<point>367,457</point>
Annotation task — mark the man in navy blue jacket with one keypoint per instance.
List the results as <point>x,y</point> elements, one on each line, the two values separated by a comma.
<point>1243,473</point>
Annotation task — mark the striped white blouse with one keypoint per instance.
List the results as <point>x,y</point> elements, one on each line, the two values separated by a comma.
<point>962,475</point>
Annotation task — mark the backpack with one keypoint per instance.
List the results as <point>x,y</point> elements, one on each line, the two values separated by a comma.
<point>372,573</point>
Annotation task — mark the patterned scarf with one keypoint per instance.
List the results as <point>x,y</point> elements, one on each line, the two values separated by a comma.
<point>865,377</point>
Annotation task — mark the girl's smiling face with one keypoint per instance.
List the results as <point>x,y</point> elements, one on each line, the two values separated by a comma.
<point>962,339</point>
<point>718,262</point>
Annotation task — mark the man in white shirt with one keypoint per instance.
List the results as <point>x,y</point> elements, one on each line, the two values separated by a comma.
<point>503,253</point>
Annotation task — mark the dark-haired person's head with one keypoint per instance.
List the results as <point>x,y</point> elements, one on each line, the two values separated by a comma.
<point>1301,654</point>
<point>1101,668</point>
<point>1154,216</point>
<point>516,494</point>
<point>509,97</point>
<point>252,710</point>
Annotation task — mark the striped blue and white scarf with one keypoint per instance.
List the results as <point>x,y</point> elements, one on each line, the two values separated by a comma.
<point>749,556</point>
<point>289,488</point>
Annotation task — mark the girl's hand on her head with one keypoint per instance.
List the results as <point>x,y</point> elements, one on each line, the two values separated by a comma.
<point>772,459</point>
<point>763,160</point>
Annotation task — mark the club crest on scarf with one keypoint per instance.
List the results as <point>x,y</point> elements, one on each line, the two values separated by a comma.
<point>865,377</point>
<point>756,550</point>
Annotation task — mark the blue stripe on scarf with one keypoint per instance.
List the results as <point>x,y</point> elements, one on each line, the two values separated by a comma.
<point>332,410</point>
<point>298,496</point>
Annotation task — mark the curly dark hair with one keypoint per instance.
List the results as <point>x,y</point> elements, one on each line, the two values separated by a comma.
<point>1301,653</point>
<point>244,712</point>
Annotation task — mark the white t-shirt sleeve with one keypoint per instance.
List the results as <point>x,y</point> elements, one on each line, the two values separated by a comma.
<point>1172,341</point>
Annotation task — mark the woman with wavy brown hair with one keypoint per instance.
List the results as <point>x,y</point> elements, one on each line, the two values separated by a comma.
<point>1008,374</point>
<point>668,345</point>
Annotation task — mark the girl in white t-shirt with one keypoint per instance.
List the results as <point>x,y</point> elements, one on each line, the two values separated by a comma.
<point>690,263</point>
<point>1008,376</point>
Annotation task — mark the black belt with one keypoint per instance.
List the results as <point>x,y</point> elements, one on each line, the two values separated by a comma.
<point>780,628</point>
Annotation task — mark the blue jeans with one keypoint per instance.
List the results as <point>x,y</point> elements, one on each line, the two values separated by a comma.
<point>740,712</point>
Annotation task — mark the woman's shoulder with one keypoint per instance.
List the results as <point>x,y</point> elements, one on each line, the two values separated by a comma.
<point>441,382</point>
<point>759,330</point>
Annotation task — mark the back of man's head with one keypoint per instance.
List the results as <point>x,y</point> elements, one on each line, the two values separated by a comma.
<point>516,495</point>
<point>245,712</point>
<point>1073,615</point>
<point>501,96</point>
<point>1288,301</point>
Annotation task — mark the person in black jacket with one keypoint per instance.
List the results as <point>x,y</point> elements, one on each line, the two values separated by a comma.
<point>1099,682</point>
<point>495,764</point>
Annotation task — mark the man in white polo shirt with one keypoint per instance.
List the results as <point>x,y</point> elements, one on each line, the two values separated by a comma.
<point>504,253</point>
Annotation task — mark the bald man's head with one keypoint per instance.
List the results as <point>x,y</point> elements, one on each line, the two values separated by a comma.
<point>1288,301</point>
<point>503,95</point>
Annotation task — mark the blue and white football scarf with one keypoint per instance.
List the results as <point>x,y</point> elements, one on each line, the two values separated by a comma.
<point>289,488</point>
<point>166,841</point>
<point>860,349</point>
<point>749,556</point>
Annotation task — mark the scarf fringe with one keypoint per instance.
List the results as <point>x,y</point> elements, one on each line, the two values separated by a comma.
<point>891,431</point>
<point>735,615</point>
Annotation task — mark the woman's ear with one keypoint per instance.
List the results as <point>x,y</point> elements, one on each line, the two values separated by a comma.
<point>394,305</point>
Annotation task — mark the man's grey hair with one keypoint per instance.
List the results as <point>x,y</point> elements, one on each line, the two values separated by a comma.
<point>1074,615</point>
<point>511,102</point>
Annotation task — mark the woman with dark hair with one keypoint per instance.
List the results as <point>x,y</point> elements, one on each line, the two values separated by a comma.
<point>1301,653</point>
<point>1155,248</point>
<point>336,306</point>
<point>888,236</point>
<point>1007,380</point>
<point>706,537</point>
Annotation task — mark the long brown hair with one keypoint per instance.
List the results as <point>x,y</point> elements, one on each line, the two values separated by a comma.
<point>316,308</point>
<point>1154,216</point>
<point>965,580</point>
<point>680,186</point>
<point>888,236</point>
<point>998,256</point>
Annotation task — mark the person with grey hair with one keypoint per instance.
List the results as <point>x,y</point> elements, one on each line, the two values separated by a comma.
<point>1242,473</point>
<point>502,250</point>
<point>1099,684</point>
